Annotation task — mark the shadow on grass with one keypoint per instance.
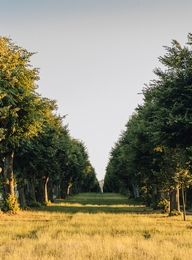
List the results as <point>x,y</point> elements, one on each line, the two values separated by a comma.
<point>61,208</point>
<point>98,203</point>
<point>99,199</point>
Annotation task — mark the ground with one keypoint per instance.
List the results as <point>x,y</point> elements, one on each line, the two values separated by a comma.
<point>94,226</point>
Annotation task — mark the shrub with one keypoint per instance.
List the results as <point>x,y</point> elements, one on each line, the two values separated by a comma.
<point>10,204</point>
<point>163,205</point>
<point>175,213</point>
<point>48,203</point>
<point>146,234</point>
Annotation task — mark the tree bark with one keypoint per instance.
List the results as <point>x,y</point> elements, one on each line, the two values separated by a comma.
<point>174,199</point>
<point>31,189</point>
<point>22,200</point>
<point>69,188</point>
<point>135,191</point>
<point>45,190</point>
<point>183,198</point>
<point>50,190</point>
<point>8,174</point>
<point>63,187</point>
<point>3,180</point>
<point>155,196</point>
<point>56,191</point>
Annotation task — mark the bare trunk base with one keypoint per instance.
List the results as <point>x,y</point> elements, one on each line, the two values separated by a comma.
<point>174,200</point>
<point>22,199</point>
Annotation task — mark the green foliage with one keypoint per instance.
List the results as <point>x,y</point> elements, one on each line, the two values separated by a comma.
<point>174,213</point>
<point>89,181</point>
<point>23,112</point>
<point>47,203</point>
<point>153,154</point>
<point>10,204</point>
<point>163,205</point>
<point>46,155</point>
<point>21,108</point>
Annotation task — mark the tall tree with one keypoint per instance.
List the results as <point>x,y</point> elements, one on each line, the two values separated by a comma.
<point>156,144</point>
<point>21,108</point>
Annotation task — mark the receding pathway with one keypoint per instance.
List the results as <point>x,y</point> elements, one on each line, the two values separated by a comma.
<point>98,202</point>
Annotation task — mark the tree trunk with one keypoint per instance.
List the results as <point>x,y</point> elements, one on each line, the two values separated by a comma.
<point>174,199</point>
<point>3,180</point>
<point>22,200</point>
<point>183,198</point>
<point>156,196</point>
<point>135,190</point>
<point>64,186</point>
<point>69,188</point>
<point>31,185</point>
<point>39,196</point>
<point>45,190</point>
<point>56,191</point>
<point>8,175</point>
<point>50,190</point>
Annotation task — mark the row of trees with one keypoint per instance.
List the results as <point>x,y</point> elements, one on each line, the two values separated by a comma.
<point>152,159</point>
<point>38,157</point>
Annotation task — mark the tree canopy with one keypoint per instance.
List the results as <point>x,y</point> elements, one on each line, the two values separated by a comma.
<point>156,145</point>
<point>38,155</point>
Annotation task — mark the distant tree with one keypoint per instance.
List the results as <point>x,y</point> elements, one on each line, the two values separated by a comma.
<point>89,181</point>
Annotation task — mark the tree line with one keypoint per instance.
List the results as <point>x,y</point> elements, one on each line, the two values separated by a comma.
<point>152,160</point>
<point>39,159</point>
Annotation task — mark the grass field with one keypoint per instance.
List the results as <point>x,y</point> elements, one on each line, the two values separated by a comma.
<point>94,226</point>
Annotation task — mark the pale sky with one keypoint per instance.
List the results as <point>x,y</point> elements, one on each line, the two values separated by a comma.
<point>95,56</point>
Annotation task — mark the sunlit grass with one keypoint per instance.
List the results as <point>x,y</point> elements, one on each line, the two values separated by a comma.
<point>89,226</point>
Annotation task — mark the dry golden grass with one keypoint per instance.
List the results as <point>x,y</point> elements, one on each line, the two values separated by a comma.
<point>79,232</point>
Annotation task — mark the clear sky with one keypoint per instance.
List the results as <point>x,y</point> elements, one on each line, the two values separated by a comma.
<point>95,56</point>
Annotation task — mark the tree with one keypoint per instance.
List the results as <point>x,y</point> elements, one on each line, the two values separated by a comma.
<point>33,138</point>
<point>21,108</point>
<point>89,182</point>
<point>149,151</point>
<point>171,96</point>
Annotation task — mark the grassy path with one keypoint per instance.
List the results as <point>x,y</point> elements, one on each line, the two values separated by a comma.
<point>97,203</point>
<point>94,226</point>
